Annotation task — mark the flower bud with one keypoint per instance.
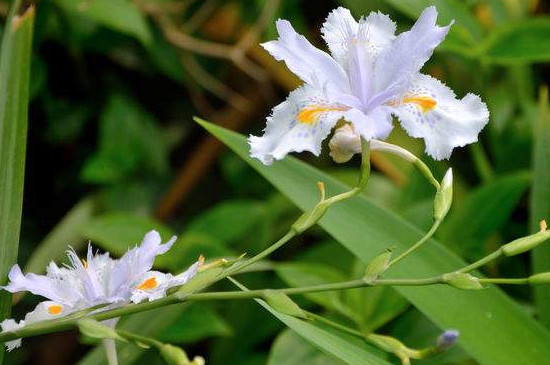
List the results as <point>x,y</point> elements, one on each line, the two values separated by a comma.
<point>444,196</point>
<point>173,355</point>
<point>462,281</point>
<point>344,144</point>
<point>447,340</point>
<point>310,218</point>
<point>282,303</point>
<point>542,278</point>
<point>376,145</point>
<point>377,266</point>
<point>525,243</point>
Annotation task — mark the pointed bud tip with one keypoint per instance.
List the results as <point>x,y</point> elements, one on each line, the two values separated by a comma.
<point>447,339</point>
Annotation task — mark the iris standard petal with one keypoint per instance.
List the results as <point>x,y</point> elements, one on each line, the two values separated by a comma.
<point>300,123</point>
<point>312,65</point>
<point>430,110</point>
<point>397,64</point>
<point>338,31</point>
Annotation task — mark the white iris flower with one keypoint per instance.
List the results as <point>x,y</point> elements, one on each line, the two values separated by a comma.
<point>98,279</point>
<point>370,75</point>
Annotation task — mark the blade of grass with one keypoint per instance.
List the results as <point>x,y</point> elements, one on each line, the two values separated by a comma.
<point>494,329</point>
<point>14,98</point>
<point>540,201</point>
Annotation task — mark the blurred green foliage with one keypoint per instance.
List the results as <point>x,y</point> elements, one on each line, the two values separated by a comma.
<point>113,152</point>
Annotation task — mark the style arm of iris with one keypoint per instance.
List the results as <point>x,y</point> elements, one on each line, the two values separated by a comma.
<point>191,293</point>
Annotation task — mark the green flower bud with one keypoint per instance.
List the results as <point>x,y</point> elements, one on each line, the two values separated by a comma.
<point>462,281</point>
<point>444,196</point>
<point>542,278</point>
<point>525,243</point>
<point>310,218</point>
<point>94,329</point>
<point>173,355</point>
<point>282,303</point>
<point>377,266</point>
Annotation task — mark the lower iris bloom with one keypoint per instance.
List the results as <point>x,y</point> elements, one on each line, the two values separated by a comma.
<point>96,280</point>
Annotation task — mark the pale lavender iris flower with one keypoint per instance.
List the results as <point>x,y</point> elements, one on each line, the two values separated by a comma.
<point>370,75</point>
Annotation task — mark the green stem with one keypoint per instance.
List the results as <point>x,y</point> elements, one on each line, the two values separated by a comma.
<point>310,218</point>
<point>334,325</point>
<point>490,257</point>
<point>516,281</point>
<point>417,245</point>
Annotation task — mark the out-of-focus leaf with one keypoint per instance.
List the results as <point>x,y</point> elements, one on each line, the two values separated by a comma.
<point>129,140</point>
<point>118,232</point>
<point>228,221</point>
<point>119,15</point>
<point>290,349</point>
<point>540,201</point>
<point>494,329</point>
<point>306,274</point>
<point>523,42</point>
<point>482,212</point>
<point>350,350</point>
<point>196,323</point>
<point>66,232</point>
<point>15,64</point>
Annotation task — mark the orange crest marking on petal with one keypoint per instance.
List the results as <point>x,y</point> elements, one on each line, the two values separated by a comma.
<point>85,263</point>
<point>426,103</point>
<point>310,114</point>
<point>55,309</point>
<point>148,284</point>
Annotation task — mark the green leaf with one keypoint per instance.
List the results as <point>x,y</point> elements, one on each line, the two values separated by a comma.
<point>118,232</point>
<point>519,43</point>
<point>352,351</point>
<point>119,15</point>
<point>66,232</point>
<point>483,212</point>
<point>15,63</point>
<point>494,329</point>
<point>307,274</point>
<point>227,221</point>
<point>129,140</point>
<point>196,323</point>
<point>290,349</point>
<point>540,201</point>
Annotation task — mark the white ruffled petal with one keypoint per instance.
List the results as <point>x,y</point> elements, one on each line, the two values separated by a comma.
<point>430,110</point>
<point>9,325</point>
<point>300,123</point>
<point>151,286</point>
<point>312,65</point>
<point>135,263</point>
<point>47,310</point>
<point>338,32</point>
<point>37,284</point>
<point>398,64</point>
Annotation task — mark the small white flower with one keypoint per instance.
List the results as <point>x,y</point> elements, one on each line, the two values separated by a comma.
<point>370,75</point>
<point>98,279</point>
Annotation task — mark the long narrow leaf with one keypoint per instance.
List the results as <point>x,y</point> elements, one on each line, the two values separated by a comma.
<point>494,329</point>
<point>540,201</point>
<point>14,98</point>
